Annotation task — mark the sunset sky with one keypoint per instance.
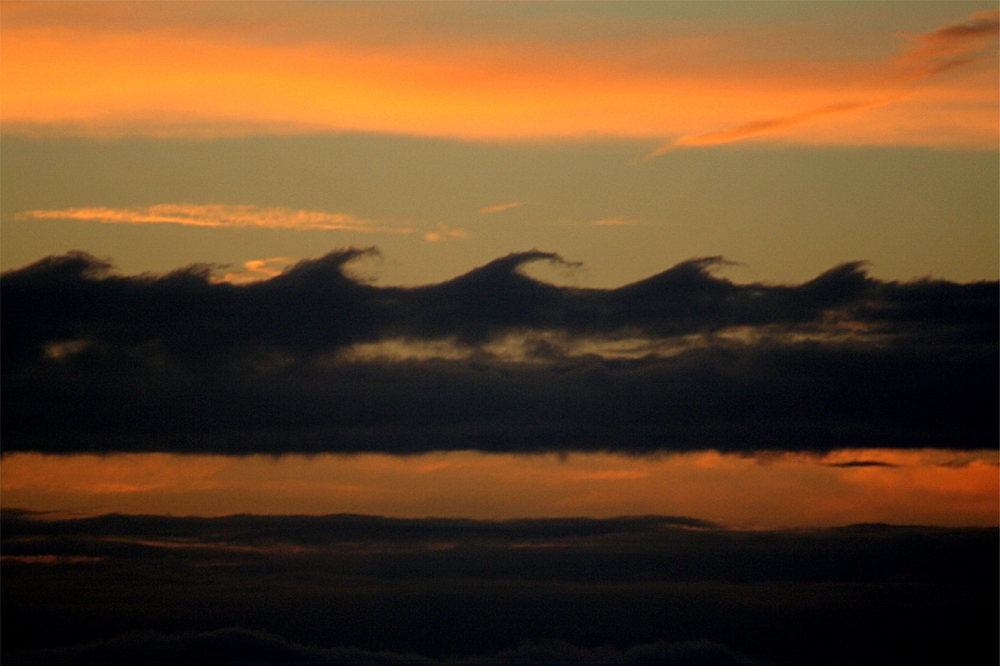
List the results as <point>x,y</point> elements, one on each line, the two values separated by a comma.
<point>733,264</point>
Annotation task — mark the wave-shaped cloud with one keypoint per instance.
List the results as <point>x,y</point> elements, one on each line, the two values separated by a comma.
<point>182,362</point>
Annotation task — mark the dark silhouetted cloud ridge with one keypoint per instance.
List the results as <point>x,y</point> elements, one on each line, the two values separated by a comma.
<point>95,361</point>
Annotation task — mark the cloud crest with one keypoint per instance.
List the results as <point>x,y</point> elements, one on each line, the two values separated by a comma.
<point>181,362</point>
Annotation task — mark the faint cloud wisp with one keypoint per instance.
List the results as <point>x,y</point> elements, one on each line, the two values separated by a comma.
<point>215,215</point>
<point>940,50</point>
<point>500,207</point>
<point>444,233</point>
<point>614,222</point>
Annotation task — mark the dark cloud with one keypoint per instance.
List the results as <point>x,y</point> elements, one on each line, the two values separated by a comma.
<point>99,362</point>
<point>222,646</point>
<point>240,646</point>
<point>363,589</point>
<point>588,550</point>
<point>318,530</point>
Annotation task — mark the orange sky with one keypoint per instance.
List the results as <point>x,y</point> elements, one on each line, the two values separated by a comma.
<point>132,70</point>
<point>784,490</point>
<point>834,74</point>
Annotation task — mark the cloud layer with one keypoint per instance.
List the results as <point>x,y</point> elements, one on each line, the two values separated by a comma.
<point>489,73</point>
<point>492,360</point>
<point>364,588</point>
<point>238,645</point>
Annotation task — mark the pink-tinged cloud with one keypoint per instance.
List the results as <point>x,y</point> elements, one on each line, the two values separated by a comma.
<point>500,207</point>
<point>214,215</point>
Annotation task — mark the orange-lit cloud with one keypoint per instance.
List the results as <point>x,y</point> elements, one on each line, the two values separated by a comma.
<point>213,215</point>
<point>939,51</point>
<point>757,127</point>
<point>444,232</point>
<point>500,207</point>
<point>50,559</point>
<point>952,46</point>
<point>781,490</point>
<point>136,70</point>
<point>257,269</point>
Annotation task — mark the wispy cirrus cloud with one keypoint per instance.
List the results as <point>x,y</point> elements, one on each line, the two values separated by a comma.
<point>951,46</point>
<point>500,207</point>
<point>444,232</point>
<point>140,70</point>
<point>614,222</point>
<point>757,127</point>
<point>215,215</point>
<point>938,51</point>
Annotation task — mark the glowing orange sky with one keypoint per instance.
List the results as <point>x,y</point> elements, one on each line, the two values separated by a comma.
<point>908,487</point>
<point>132,70</point>
<point>484,71</point>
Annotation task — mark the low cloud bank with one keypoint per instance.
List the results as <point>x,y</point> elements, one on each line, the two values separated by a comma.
<point>237,645</point>
<point>94,361</point>
<point>623,590</point>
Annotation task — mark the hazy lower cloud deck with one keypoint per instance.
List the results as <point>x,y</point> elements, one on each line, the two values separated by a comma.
<point>628,590</point>
<point>500,332</point>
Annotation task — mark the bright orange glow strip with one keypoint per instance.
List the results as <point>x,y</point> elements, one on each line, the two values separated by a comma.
<point>190,81</point>
<point>783,490</point>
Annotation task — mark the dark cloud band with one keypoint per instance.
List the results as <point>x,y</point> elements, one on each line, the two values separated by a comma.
<point>98,362</point>
<point>365,589</point>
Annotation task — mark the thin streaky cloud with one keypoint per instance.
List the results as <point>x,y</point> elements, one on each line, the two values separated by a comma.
<point>950,46</point>
<point>860,463</point>
<point>981,29</point>
<point>938,51</point>
<point>444,233</point>
<point>757,127</point>
<point>614,222</point>
<point>643,81</point>
<point>500,207</point>
<point>215,215</point>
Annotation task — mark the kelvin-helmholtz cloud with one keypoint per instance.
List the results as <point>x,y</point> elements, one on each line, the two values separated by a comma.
<point>314,360</point>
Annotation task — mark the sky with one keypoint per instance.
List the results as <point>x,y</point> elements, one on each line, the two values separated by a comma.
<point>281,265</point>
<point>787,137</point>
